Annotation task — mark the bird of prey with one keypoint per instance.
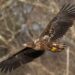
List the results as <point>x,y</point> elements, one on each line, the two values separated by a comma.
<point>56,28</point>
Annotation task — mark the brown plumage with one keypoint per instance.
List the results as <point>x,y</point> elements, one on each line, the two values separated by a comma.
<point>55,30</point>
<point>61,22</point>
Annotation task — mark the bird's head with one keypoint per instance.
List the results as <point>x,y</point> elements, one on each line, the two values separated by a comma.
<point>56,47</point>
<point>45,45</point>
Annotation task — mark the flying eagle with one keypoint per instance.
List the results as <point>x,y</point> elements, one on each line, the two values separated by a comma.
<point>56,28</point>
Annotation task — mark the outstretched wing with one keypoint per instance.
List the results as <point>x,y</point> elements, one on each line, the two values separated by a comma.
<point>24,56</point>
<point>61,22</point>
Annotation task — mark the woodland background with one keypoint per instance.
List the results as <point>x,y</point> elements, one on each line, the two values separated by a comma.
<point>19,16</point>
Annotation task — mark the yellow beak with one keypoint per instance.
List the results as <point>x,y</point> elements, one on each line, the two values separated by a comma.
<point>53,49</point>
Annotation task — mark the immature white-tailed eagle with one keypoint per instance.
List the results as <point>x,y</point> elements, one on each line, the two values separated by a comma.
<point>46,41</point>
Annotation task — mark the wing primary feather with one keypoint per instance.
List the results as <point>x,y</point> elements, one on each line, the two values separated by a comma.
<point>64,7</point>
<point>67,6</point>
<point>24,56</point>
<point>5,69</point>
<point>68,9</point>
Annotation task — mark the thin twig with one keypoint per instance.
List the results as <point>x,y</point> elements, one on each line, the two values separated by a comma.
<point>67,61</point>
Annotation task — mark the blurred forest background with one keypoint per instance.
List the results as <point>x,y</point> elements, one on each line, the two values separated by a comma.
<point>17,17</point>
